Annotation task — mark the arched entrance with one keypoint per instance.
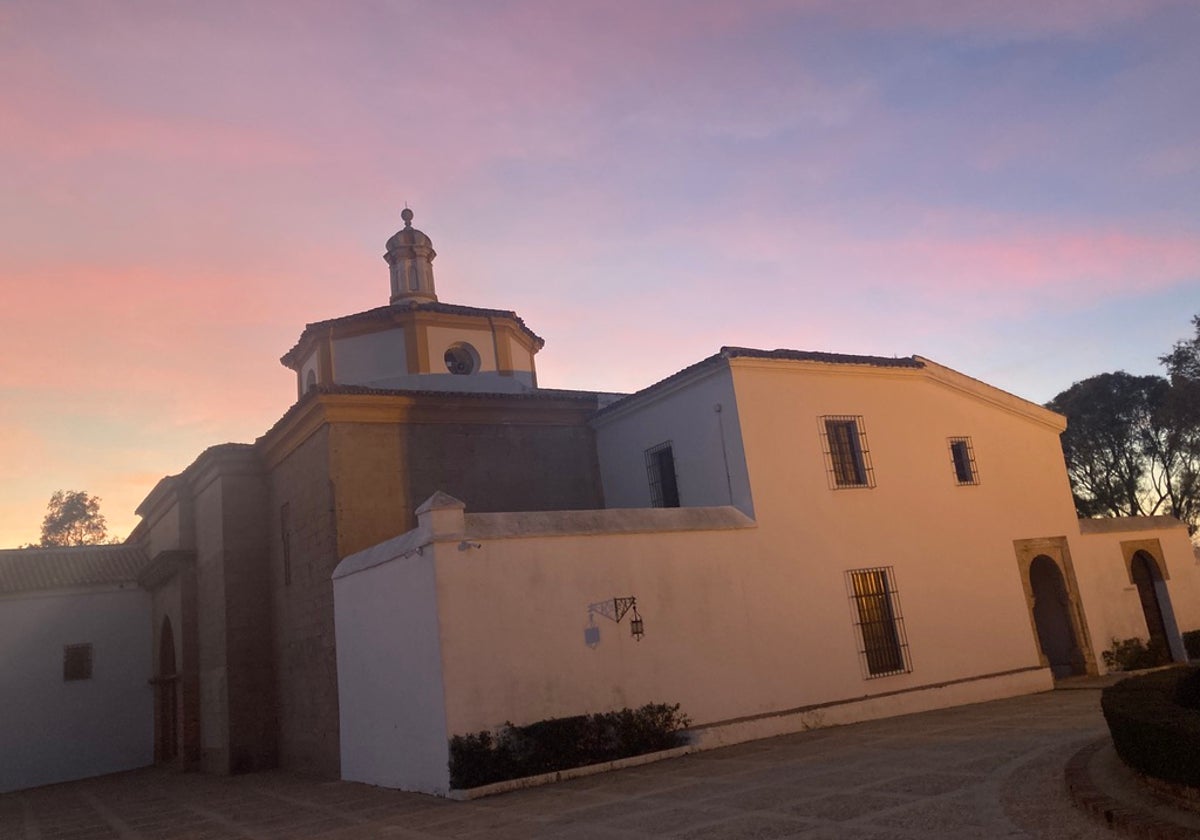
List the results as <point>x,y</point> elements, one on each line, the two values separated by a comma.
<point>1146,577</point>
<point>166,714</point>
<point>1052,618</point>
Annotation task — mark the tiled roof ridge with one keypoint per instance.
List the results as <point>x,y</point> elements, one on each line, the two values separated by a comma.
<point>68,548</point>
<point>822,356</point>
<point>59,567</point>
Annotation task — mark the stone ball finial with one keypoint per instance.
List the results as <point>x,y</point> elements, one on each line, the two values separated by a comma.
<point>407,216</point>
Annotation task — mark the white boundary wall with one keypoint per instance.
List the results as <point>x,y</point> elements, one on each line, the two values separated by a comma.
<point>53,730</point>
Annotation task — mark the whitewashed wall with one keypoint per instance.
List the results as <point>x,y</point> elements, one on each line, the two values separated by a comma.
<point>710,465</point>
<point>55,731</point>
<point>390,701</point>
<point>309,366</point>
<point>739,623</point>
<point>379,360</point>
<point>749,624</point>
<point>1110,599</point>
<point>365,359</point>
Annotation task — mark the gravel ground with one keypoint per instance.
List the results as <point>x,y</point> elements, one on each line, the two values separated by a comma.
<point>990,770</point>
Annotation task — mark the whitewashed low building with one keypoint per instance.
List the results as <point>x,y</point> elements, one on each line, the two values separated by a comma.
<point>810,539</point>
<point>75,655</point>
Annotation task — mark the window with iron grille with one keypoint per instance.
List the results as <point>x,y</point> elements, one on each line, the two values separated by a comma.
<point>77,662</point>
<point>962,455</point>
<point>882,644</point>
<point>847,458</point>
<point>660,470</point>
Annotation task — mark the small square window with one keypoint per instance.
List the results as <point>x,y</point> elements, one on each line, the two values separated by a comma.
<point>962,456</point>
<point>847,458</point>
<point>77,662</point>
<point>660,471</point>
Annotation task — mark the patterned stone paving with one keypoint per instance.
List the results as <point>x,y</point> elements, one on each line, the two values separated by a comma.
<point>992,770</point>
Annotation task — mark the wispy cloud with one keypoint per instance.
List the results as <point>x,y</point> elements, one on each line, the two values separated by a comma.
<point>184,186</point>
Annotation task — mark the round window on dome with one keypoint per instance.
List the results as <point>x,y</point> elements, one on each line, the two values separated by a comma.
<point>462,359</point>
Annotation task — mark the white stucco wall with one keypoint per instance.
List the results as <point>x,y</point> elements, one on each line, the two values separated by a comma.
<point>309,365</point>
<point>369,358</point>
<point>759,622</point>
<point>737,624</point>
<point>749,622</point>
<point>52,730</point>
<point>710,465</point>
<point>379,360</point>
<point>390,700</point>
<point>1110,600</point>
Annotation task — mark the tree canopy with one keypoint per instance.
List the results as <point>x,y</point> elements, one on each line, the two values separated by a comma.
<point>1132,444</point>
<point>73,518</point>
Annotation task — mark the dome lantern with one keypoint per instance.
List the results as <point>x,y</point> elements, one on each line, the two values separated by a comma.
<point>410,255</point>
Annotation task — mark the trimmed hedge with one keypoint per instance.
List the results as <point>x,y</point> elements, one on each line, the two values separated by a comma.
<point>1154,720</point>
<point>1191,643</point>
<point>561,743</point>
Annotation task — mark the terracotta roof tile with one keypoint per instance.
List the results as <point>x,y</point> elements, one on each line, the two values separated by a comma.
<point>787,355</point>
<point>31,569</point>
<point>815,356</point>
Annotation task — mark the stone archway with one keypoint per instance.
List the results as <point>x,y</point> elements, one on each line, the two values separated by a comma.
<point>1147,578</point>
<point>1056,616</point>
<point>1052,618</point>
<point>166,703</point>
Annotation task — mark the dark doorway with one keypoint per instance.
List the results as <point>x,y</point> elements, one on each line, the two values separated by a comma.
<point>1052,616</point>
<point>1146,576</point>
<point>166,714</point>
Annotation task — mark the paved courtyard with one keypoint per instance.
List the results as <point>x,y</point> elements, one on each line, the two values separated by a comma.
<point>992,770</point>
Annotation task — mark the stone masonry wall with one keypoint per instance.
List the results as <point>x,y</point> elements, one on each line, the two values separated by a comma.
<point>303,552</point>
<point>253,711</point>
<point>210,592</point>
<point>352,485</point>
<point>382,473</point>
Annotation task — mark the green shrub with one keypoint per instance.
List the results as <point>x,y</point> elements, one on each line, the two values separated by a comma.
<point>1134,655</point>
<point>1191,643</point>
<point>1187,692</point>
<point>561,743</point>
<point>1154,720</point>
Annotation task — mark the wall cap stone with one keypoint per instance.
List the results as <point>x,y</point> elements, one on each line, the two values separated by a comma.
<point>1116,524</point>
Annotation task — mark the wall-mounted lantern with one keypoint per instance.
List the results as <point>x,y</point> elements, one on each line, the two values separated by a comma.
<point>636,626</point>
<point>615,610</point>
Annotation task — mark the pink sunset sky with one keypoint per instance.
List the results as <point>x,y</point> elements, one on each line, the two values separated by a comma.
<point>1011,188</point>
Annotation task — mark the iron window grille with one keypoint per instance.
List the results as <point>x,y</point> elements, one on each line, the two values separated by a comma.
<point>847,456</point>
<point>875,607</point>
<point>962,456</point>
<point>77,662</point>
<point>660,470</point>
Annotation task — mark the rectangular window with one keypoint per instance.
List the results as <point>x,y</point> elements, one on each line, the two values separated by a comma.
<point>285,534</point>
<point>660,470</point>
<point>77,662</point>
<point>883,647</point>
<point>847,459</point>
<point>963,457</point>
